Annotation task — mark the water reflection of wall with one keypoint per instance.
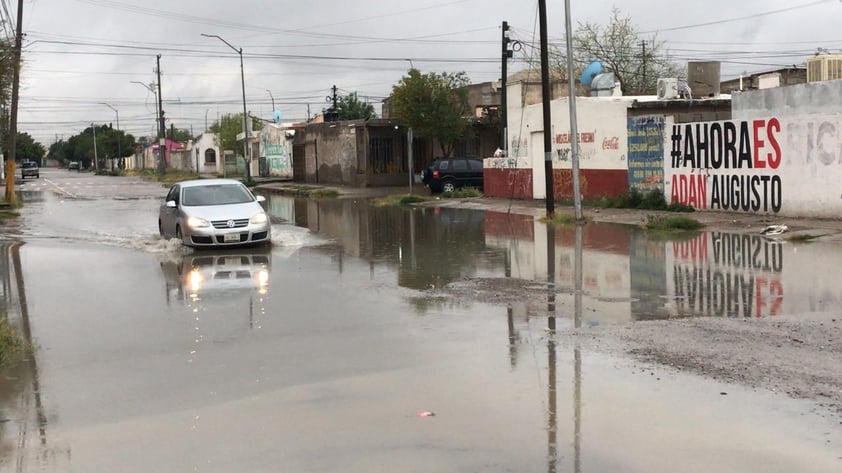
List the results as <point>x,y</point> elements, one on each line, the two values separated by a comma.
<point>725,274</point>
<point>647,259</point>
<point>430,247</point>
<point>735,275</point>
<point>605,259</point>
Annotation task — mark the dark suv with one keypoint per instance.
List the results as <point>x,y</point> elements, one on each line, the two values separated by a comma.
<point>29,169</point>
<point>448,174</point>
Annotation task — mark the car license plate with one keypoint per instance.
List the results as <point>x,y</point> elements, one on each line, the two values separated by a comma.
<point>231,237</point>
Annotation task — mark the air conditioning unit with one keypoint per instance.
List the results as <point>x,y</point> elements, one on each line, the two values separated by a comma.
<point>667,88</point>
<point>824,67</point>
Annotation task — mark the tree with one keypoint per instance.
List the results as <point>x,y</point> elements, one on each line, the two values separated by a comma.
<point>27,149</point>
<point>110,143</point>
<point>636,62</point>
<point>180,135</point>
<point>228,127</point>
<point>350,108</point>
<point>434,105</point>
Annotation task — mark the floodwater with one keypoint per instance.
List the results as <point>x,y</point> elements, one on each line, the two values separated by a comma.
<point>324,351</point>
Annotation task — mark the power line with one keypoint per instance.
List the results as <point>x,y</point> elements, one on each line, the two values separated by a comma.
<point>741,18</point>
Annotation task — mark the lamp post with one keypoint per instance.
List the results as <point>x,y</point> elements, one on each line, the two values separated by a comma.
<point>246,154</point>
<point>273,103</point>
<point>119,138</point>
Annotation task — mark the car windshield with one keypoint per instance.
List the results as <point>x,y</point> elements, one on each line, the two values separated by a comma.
<point>29,165</point>
<point>215,194</point>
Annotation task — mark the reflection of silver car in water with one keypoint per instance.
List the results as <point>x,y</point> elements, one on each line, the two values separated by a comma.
<point>212,213</point>
<point>207,274</point>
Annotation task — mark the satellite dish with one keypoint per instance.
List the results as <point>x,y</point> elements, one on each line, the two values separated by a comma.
<point>591,71</point>
<point>276,115</point>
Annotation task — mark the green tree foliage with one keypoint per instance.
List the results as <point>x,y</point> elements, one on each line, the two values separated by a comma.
<point>180,135</point>
<point>227,128</point>
<point>434,105</point>
<point>351,108</point>
<point>110,143</point>
<point>619,46</point>
<point>27,149</point>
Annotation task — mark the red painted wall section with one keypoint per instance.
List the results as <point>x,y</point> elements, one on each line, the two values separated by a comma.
<point>508,183</point>
<point>512,183</point>
<point>593,183</point>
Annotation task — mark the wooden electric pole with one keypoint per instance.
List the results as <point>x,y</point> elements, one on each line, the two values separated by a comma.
<point>13,119</point>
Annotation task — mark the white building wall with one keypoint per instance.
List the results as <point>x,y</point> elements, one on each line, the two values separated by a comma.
<point>801,99</point>
<point>601,125</point>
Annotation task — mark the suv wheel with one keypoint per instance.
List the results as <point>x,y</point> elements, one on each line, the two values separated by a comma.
<point>448,186</point>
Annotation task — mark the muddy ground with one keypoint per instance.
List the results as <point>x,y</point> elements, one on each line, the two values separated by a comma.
<point>800,354</point>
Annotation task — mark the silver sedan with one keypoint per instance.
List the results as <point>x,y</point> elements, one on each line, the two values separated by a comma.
<point>214,212</point>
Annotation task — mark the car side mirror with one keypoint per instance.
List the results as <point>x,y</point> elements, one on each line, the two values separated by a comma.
<point>170,204</point>
<point>260,198</point>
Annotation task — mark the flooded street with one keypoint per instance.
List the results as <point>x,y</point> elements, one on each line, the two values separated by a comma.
<point>413,340</point>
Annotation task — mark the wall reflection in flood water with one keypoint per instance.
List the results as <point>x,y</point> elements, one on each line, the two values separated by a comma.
<point>628,274</point>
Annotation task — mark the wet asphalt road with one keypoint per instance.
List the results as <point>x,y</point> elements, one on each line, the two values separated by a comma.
<point>321,352</point>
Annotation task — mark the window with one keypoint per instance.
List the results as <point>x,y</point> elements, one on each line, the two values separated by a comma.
<point>476,164</point>
<point>210,156</point>
<point>383,159</point>
<point>216,195</point>
<point>460,165</point>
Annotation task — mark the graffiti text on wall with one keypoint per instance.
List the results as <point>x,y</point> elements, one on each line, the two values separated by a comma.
<point>743,277</point>
<point>728,165</point>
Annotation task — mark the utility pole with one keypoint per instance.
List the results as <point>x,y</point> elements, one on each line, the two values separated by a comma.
<point>643,47</point>
<point>332,113</point>
<point>13,119</point>
<point>162,127</point>
<point>504,116</point>
<point>545,93</point>
<point>96,158</point>
<point>574,132</point>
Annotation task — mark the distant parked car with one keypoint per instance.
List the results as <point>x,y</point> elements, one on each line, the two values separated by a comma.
<point>214,213</point>
<point>29,169</point>
<point>73,166</point>
<point>449,174</point>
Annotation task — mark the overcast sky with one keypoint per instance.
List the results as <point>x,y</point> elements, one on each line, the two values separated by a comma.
<point>82,54</point>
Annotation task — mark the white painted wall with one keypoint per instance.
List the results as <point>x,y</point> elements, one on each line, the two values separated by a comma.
<point>801,99</point>
<point>601,124</point>
<point>204,142</point>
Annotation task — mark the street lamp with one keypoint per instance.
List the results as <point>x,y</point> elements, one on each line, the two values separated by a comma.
<point>119,138</point>
<point>247,156</point>
<point>273,103</point>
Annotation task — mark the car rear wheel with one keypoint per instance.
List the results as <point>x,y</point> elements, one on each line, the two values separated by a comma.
<point>448,186</point>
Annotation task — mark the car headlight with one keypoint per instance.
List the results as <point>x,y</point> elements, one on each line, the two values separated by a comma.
<point>259,217</point>
<point>196,222</point>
